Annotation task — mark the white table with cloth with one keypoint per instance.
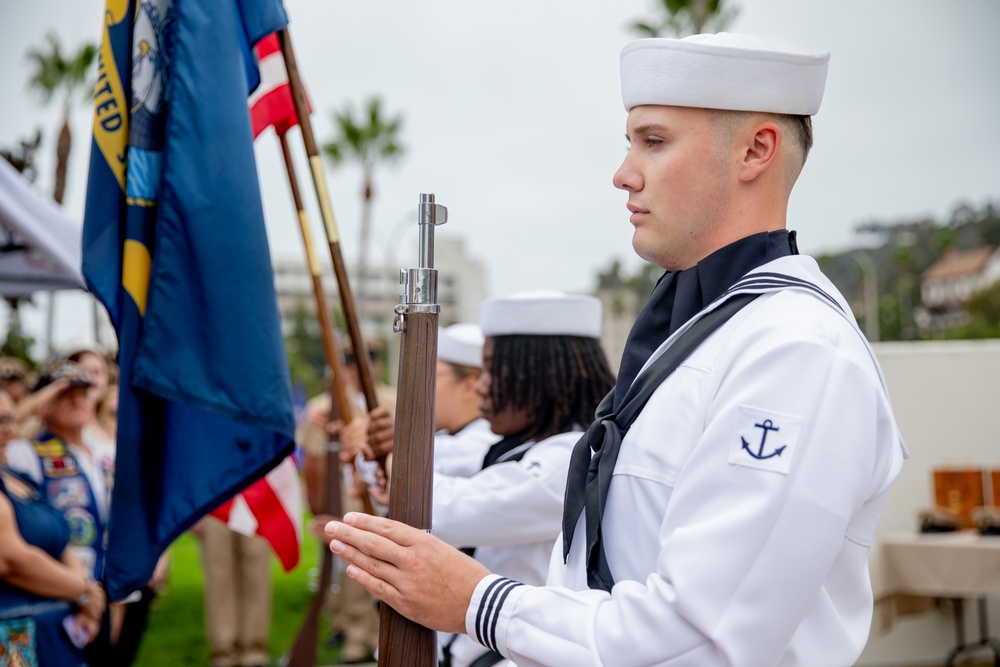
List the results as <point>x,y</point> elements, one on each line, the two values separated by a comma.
<point>915,568</point>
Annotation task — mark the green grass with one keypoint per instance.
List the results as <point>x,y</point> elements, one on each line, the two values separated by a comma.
<point>176,632</point>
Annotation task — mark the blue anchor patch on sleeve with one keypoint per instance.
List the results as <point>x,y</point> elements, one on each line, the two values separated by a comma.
<point>764,439</point>
<point>768,425</point>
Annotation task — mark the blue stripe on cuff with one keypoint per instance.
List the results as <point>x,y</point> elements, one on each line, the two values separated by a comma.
<point>482,604</point>
<point>496,617</point>
<point>493,598</point>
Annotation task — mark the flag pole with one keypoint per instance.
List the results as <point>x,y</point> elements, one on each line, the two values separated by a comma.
<point>341,401</point>
<point>333,356</point>
<point>365,374</point>
<point>303,652</point>
<point>361,359</point>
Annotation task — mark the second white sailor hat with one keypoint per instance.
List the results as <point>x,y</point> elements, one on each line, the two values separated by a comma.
<point>543,313</point>
<point>722,71</point>
<point>461,344</point>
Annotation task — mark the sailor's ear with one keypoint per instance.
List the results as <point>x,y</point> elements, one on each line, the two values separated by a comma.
<point>763,141</point>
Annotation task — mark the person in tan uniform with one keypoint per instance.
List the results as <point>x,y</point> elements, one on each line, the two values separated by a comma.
<point>237,572</point>
<point>352,611</point>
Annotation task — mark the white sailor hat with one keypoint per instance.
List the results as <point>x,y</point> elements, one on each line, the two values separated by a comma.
<point>541,313</point>
<point>722,71</point>
<point>461,344</point>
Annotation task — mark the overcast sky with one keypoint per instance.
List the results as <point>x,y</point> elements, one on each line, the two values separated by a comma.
<point>512,117</point>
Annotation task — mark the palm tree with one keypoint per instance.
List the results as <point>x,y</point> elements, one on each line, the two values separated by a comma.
<point>55,74</point>
<point>22,158</point>
<point>688,17</point>
<point>368,140</point>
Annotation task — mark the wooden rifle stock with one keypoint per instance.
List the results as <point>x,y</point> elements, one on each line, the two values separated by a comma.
<point>403,643</point>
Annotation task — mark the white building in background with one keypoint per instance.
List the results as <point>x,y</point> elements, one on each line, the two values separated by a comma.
<point>948,283</point>
<point>461,287</point>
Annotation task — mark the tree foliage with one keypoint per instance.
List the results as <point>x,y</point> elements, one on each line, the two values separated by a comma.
<point>641,282</point>
<point>679,18</point>
<point>17,343</point>
<point>369,139</point>
<point>304,347</point>
<point>22,157</point>
<point>984,314</point>
<point>53,73</point>
<point>902,251</point>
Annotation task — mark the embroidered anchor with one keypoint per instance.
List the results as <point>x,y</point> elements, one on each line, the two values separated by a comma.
<point>768,425</point>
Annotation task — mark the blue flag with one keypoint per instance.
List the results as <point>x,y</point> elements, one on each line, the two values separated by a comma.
<point>174,246</point>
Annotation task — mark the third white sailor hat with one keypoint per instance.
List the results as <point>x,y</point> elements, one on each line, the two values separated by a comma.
<point>461,344</point>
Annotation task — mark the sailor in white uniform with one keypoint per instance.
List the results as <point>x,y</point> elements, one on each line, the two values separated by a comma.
<point>721,508</point>
<point>509,513</point>
<point>463,436</point>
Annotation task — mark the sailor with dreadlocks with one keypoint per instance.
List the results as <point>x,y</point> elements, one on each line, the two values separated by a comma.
<point>543,375</point>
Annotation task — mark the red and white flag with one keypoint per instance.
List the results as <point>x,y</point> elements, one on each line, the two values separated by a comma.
<point>271,507</point>
<point>271,103</point>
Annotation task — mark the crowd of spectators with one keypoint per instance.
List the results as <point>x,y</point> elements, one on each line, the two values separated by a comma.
<point>57,465</point>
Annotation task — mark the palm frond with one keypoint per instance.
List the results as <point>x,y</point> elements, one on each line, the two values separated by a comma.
<point>366,137</point>
<point>644,29</point>
<point>52,71</point>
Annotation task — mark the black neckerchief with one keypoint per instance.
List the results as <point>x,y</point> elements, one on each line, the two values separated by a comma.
<point>680,295</point>
<point>496,451</point>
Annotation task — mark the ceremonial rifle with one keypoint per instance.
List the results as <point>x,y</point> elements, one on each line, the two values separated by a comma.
<point>403,643</point>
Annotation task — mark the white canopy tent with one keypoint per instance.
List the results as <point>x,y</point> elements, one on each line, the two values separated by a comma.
<point>40,246</point>
<point>41,251</point>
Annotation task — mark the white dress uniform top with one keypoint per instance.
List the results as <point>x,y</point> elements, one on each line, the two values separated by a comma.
<point>461,454</point>
<point>511,511</point>
<point>721,557</point>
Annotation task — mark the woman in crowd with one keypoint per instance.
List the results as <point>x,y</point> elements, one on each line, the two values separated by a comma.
<point>75,475</point>
<point>99,432</point>
<point>49,605</point>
